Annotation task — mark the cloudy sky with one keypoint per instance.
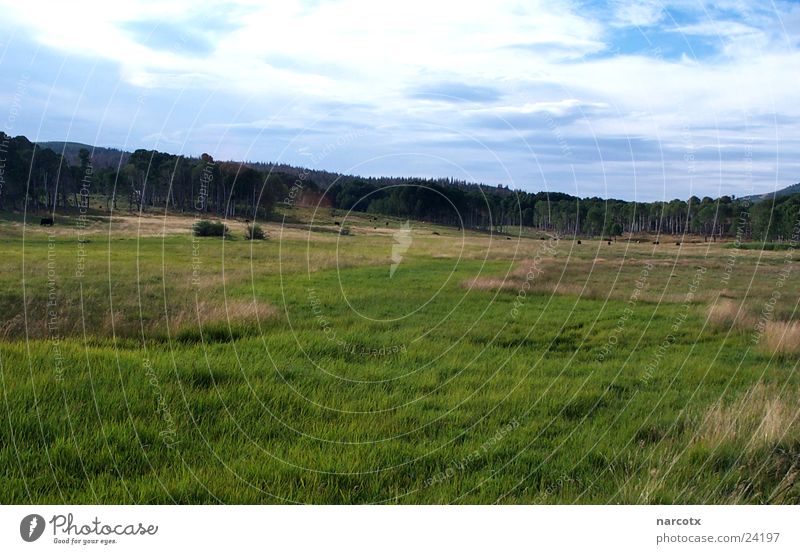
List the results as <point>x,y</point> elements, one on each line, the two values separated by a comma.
<point>638,100</point>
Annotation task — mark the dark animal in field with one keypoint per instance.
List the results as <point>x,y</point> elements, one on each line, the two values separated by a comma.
<point>336,223</point>
<point>655,242</point>
<point>435,233</point>
<point>609,243</point>
<point>579,242</point>
<point>46,221</point>
<point>677,244</point>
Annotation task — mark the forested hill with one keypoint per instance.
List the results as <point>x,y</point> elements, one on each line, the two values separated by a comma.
<point>41,179</point>
<point>101,156</point>
<point>786,191</point>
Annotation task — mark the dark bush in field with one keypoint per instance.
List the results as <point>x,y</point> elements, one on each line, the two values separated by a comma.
<point>254,232</point>
<point>206,228</point>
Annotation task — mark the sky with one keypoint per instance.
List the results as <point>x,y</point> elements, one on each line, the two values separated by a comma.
<point>641,100</point>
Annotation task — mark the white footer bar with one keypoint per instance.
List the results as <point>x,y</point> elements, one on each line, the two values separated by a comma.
<point>400,529</point>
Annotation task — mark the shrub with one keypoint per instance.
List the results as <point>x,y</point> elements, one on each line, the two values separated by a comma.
<point>206,228</point>
<point>344,231</point>
<point>254,232</point>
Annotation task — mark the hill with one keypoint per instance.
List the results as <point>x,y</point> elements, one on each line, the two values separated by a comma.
<point>786,191</point>
<point>148,180</point>
<point>102,157</point>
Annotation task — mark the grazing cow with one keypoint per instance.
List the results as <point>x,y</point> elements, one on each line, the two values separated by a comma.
<point>46,221</point>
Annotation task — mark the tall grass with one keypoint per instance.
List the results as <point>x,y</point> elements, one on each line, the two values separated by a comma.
<point>783,337</point>
<point>298,370</point>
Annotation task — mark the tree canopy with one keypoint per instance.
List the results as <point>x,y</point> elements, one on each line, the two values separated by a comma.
<point>41,179</point>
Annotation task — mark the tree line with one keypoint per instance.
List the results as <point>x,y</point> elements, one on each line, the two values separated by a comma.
<point>42,180</point>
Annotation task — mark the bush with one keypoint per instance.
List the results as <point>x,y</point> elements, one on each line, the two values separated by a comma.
<point>206,228</point>
<point>254,232</point>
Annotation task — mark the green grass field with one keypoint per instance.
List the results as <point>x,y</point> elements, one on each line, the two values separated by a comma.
<point>140,365</point>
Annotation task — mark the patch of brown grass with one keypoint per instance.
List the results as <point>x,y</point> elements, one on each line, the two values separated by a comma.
<point>574,289</point>
<point>184,316</point>
<point>491,283</point>
<point>778,337</point>
<point>760,416</point>
<point>782,337</point>
<point>723,313</point>
<point>232,311</point>
<point>532,266</point>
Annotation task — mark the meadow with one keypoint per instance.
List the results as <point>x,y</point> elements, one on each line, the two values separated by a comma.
<point>141,365</point>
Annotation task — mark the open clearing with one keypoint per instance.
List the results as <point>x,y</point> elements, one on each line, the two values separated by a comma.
<point>141,365</point>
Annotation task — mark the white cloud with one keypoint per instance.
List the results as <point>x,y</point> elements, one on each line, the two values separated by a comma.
<point>385,42</point>
<point>717,29</point>
<point>637,13</point>
<point>558,108</point>
<point>541,57</point>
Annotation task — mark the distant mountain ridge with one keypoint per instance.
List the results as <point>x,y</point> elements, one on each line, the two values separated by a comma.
<point>104,157</point>
<point>786,191</point>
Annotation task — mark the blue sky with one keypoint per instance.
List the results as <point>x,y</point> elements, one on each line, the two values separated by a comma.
<point>638,100</point>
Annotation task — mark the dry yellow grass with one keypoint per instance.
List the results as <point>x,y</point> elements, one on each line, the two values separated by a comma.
<point>533,267</point>
<point>187,315</point>
<point>491,283</point>
<point>777,337</point>
<point>232,311</point>
<point>760,416</point>
<point>725,313</point>
<point>575,289</point>
<point>782,337</point>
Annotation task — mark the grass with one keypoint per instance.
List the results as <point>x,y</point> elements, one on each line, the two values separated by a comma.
<point>783,337</point>
<point>763,246</point>
<point>297,370</point>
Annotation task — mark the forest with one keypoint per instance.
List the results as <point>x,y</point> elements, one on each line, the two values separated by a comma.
<point>45,180</point>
